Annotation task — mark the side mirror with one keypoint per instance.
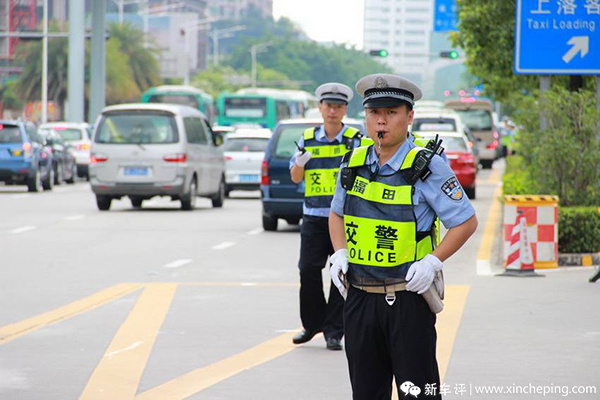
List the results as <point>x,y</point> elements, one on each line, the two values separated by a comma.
<point>217,139</point>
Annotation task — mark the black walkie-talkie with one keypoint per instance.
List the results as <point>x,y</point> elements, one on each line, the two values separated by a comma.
<point>420,166</point>
<point>300,149</point>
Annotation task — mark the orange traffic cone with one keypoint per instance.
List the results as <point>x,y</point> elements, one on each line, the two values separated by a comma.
<point>520,260</point>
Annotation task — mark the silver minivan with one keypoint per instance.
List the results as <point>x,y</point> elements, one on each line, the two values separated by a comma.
<point>147,150</point>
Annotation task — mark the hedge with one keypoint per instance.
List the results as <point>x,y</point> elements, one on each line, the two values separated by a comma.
<point>579,230</point>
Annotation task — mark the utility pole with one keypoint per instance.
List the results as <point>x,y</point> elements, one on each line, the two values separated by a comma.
<point>253,51</point>
<point>76,60</point>
<point>45,66</point>
<point>217,34</point>
<point>97,60</point>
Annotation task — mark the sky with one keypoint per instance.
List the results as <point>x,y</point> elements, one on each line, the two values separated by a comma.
<point>340,21</point>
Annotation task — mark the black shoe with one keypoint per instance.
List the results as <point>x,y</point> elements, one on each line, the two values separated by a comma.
<point>334,344</point>
<point>305,336</point>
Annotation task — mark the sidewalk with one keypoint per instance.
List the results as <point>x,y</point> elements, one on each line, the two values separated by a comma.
<point>521,331</point>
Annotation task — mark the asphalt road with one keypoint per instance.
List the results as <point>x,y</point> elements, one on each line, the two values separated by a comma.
<point>159,303</point>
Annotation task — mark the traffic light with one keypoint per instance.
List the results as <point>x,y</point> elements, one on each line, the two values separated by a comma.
<point>452,54</point>
<point>378,53</point>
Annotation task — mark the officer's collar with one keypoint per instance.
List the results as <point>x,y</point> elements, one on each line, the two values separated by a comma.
<point>322,136</point>
<point>395,162</point>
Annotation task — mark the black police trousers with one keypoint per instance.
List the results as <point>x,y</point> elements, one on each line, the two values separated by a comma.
<point>315,311</point>
<point>384,341</point>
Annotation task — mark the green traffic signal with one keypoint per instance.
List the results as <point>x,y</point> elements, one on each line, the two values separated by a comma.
<point>379,53</point>
<point>452,54</point>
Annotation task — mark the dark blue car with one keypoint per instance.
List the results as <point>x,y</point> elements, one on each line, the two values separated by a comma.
<point>282,198</point>
<point>24,157</point>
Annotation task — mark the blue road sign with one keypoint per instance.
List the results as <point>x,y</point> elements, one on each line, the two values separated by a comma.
<point>557,37</point>
<point>445,18</point>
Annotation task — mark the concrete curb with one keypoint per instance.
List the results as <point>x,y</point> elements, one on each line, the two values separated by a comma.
<point>578,259</point>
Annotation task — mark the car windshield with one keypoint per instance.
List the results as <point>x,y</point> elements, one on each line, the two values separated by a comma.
<point>137,127</point>
<point>477,120</point>
<point>245,107</point>
<point>450,143</point>
<point>246,144</point>
<point>434,124</point>
<point>10,134</point>
<point>182,99</point>
<point>69,134</point>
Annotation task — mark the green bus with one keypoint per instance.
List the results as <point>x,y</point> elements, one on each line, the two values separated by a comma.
<point>183,95</point>
<point>262,106</point>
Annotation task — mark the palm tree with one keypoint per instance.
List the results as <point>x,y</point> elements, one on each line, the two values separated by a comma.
<point>142,60</point>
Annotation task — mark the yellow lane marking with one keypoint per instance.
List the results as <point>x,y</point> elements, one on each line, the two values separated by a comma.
<point>448,323</point>
<point>487,241</point>
<point>118,374</point>
<point>202,378</point>
<point>13,331</point>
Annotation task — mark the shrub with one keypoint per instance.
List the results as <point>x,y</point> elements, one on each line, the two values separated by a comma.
<point>579,230</point>
<point>517,179</point>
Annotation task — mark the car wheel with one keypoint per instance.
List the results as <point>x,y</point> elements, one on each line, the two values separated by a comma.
<point>136,201</point>
<point>219,198</point>
<point>227,191</point>
<point>71,180</point>
<point>58,176</point>
<point>470,191</point>
<point>103,202</point>
<point>487,164</point>
<point>293,221</point>
<point>48,184</point>
<point>35,183</point>
<point>188,200</point>
<point>269,223</point>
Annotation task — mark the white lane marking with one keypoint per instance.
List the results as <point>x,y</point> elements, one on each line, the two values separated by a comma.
<point>23,229</point>
<point>256,231</point>
<point>75,217</point>
<point>484,267</point>
<point>223,245</point>
<point>178,263</point>
<point>114,353</point>
<point>21,196</point>
<point>248,284</point>
<point>286,330</point>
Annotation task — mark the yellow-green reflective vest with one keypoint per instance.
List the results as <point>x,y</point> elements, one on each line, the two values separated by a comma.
<point>320,173</point>
<point>380,224</point>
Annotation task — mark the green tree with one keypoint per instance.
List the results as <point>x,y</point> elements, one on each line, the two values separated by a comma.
<point>9,96</point>
<point>142,60</point>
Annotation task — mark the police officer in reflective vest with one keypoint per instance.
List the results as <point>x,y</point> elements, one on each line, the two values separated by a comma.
<point>317,163</point>
<point>382,226</point>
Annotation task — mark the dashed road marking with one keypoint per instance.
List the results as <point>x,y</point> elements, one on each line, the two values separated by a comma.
<point>223,246</point>
<point>178,263</point>
<point>256,231</point>
<point>23,229</point>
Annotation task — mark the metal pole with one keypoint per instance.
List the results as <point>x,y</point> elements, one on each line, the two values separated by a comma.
<point>215,38</point>
<point>544,86</point>
<point>121,6</point>
<point>97,60</point>
<point>253,52</point>
<point>76,60</point>
<point>146,23</point>
<point>45,66</point>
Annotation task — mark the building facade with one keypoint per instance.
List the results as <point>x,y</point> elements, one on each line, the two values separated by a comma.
<point>237,9</point>
<point>403,28</point>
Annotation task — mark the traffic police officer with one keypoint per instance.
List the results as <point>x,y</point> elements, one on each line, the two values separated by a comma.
<point>382,226</point>
<point>317,163</point>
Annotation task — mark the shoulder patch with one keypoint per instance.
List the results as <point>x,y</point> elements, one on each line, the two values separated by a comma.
<point>453,189</point>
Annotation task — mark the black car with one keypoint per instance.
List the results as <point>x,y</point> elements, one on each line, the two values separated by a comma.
<point>63,161</point>
<point>281,198</point>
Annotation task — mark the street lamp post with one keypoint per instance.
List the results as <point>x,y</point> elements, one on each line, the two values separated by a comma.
<point>253,51</point>
<point>45,66</point>
<point>217,34</point>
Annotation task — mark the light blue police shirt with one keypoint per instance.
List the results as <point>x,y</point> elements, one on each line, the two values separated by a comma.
<point>429,199</point>
<point>320,136</point>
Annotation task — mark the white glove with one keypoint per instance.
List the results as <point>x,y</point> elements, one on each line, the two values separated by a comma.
<point>302,158</point>
<point>420,275</point>
<point>339,267</point>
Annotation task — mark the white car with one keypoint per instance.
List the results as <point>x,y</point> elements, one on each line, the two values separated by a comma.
<point>79,136</point>
<point>150,149</point>
<point>446,120</point>
<point>244,152</point>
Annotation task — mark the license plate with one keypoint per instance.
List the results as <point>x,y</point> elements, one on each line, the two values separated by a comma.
<point>136,171</point>
<point>249,178</point>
